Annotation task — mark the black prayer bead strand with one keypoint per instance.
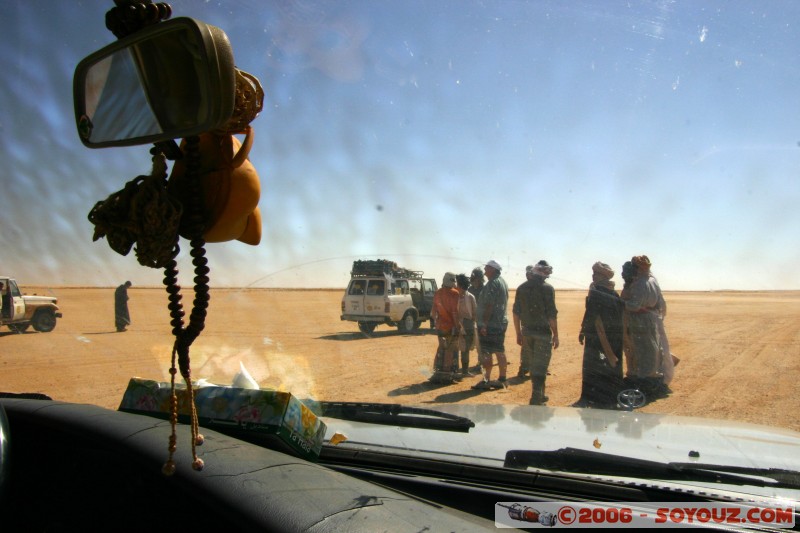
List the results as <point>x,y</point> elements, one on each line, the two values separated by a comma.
<point>195,225</point>
<point>176,312</point>
<point>130,16</point>
<point>185,336</point>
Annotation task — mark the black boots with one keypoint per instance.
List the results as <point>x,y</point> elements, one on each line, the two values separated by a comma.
<point>538,396</point>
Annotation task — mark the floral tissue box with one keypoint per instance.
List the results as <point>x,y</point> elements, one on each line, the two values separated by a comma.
<point>265,412</point>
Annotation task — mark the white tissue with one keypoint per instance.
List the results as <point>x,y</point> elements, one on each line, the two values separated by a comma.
<point>243,379</point>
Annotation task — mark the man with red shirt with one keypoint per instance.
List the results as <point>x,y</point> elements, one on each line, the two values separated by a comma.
<point>445,317</point>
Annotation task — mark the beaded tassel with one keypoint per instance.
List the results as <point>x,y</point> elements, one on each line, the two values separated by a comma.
<point>184,337</point>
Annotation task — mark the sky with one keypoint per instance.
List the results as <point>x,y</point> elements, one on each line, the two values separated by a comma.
<point>441,135</point>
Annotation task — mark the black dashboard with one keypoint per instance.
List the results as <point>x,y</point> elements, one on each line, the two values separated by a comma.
<point>80,466</point>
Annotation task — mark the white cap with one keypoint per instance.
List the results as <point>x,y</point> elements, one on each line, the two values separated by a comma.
<point>494,264</point>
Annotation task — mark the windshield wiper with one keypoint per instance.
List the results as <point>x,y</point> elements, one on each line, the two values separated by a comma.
<point>574,460</point>
<point>392,415</point>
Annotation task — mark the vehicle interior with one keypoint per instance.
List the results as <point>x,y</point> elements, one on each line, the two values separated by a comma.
<point>70,457</point>
<point>64,455</point>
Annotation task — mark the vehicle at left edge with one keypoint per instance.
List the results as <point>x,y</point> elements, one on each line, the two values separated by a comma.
<point>20,311</point>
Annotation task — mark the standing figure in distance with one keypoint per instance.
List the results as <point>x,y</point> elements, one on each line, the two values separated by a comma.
<point>525,355</point>
<point>628,274</point>
<point>2,300</point>
<point>467,311</point>
<point>601,337</point>
<point>492,325</point>
<point>535,320</point>
<point>122,318</point>
<point>646,306</point>
<point>445,316</point>
<point>476,283</point>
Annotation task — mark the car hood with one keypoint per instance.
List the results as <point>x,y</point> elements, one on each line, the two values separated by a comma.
<point>645,436</point>
<point>37,298</point>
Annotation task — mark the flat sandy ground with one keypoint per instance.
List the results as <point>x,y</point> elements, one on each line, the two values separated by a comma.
<point>739,351</point>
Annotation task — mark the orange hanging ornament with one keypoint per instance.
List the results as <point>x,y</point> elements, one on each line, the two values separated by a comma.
<point>230,187</point>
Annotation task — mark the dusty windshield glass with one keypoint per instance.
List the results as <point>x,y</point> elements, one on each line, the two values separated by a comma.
<point>427,140</point>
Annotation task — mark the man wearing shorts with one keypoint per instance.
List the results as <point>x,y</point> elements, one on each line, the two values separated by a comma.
<point>492,324</point>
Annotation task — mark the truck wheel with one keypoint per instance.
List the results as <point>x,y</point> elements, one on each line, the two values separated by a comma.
<point>366,327</point>
<point>44,321</point>
<point>407,323</point>
<point>18,328</point>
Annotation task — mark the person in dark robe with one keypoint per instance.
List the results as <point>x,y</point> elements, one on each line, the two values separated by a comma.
<point>122,318</point>
<point>601,337</point>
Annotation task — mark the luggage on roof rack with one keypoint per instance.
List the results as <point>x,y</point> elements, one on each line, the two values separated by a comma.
<point>380,267</point>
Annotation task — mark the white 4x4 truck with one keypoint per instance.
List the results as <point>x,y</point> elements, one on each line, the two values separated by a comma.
<point>19,312</point>
<point>380,292</point>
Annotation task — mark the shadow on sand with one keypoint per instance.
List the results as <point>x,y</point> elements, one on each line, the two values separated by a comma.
<point>427,386</point>
<point>358,335</point>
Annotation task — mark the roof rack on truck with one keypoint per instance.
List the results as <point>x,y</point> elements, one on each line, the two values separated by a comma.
<point>380,267</point>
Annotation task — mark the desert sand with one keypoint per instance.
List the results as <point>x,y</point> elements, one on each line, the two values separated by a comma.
<point>739,352</point>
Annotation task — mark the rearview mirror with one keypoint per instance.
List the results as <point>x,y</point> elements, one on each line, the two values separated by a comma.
<point>173,79</point>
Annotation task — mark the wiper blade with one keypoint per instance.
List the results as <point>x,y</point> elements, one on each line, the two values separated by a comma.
<point>574,460</point>
<point>392,415</point>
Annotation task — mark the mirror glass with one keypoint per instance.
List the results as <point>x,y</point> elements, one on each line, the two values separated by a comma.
<point>117,106</point>
<point>171,80</point>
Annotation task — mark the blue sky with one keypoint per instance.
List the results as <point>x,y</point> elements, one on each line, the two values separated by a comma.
<point>444,134</point>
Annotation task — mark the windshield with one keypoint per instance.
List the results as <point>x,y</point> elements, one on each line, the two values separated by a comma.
<point>404,148</point>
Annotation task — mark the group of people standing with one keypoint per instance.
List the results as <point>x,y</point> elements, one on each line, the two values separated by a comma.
<point>479,311</point>
<point>455,312</point>
<point>471,316</point>
<point>626,327</point>
<point>650,364</point>
<point>618,329</point>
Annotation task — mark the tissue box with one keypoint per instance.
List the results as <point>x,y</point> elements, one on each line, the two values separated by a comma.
<point>278,417</point>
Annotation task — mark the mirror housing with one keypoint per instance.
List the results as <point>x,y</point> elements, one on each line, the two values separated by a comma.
<point>170,80</point>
